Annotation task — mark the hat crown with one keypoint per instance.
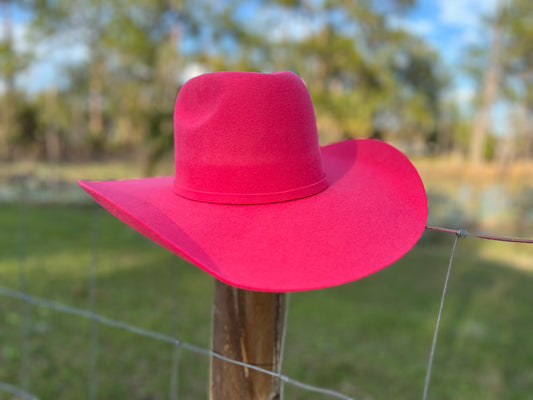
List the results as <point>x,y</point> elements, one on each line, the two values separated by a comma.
<point>246,138</point>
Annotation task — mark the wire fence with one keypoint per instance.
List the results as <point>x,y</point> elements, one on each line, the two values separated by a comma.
<point>22,389</point>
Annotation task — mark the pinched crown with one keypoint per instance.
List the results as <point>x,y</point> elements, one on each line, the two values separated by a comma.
<point>246,138</point>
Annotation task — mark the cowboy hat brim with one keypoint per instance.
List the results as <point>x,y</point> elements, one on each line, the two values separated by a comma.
<point>373,211</point>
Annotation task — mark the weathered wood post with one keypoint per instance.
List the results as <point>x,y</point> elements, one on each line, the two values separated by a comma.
<point>247,326</point>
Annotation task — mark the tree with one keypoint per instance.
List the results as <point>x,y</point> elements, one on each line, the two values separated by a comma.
<point>131,46</point>
<point>507,78</point>
<point>489,93</point>
<point>366,77</point>
<point>517,65</point>
<point>12,62</point>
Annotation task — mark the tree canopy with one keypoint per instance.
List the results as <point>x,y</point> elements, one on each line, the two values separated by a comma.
<point>367,76</point>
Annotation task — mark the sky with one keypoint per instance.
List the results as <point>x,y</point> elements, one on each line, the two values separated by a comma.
<point>448,25</point>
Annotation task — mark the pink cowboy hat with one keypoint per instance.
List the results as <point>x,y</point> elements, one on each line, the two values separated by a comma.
<point>258,204</point>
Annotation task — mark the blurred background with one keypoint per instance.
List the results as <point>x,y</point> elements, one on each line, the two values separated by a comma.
<point>87,90</point>
<point>449,83</point>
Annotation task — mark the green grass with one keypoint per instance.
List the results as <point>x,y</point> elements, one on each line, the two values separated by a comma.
<point>369,339</point>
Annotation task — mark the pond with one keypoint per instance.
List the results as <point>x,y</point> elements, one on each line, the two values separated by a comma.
<point>495,207</point>
<point>492,206</point>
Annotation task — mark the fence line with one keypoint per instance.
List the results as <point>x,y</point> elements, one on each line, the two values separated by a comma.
<point>171,338</point>
<point>437,324</point>
<point>175,358</point>
<point>92,284</point>
<point>26,312</point>
<point>463,233</point>
<point>66,309</point>
<point>6,387</point>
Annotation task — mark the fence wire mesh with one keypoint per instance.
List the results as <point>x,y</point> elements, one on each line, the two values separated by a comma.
<point>22,389</point>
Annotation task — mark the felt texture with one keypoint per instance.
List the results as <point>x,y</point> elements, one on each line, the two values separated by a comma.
<point>369,210</point>
<point>246,138</point>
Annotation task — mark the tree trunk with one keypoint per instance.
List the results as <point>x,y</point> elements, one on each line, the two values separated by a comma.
<point>51,135</point>
<point>528,146</point>
<point>7,125</point>
<point>96,89</point>
<point>489,92</point>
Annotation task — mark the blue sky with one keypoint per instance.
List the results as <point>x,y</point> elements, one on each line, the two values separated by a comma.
<point>448,25</point>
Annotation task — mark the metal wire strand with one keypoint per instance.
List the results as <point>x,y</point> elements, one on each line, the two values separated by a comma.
<point>22,394</point>
<point>29,300</point>
<point>434,342</point>
<point>92,285</point>
<point>26,310</point>
<point>464,233</point>
<point>175,357</point>
<point>66,309</point>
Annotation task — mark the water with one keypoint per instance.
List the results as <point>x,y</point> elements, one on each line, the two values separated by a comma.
<point>494,207</point>
<point>40,192</point>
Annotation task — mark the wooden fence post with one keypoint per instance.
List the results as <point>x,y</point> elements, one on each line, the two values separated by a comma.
<point>247,326</point>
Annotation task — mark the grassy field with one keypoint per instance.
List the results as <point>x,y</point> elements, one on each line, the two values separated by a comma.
<point>369,339</point>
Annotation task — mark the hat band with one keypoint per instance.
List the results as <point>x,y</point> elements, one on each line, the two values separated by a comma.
<point>252,198</point>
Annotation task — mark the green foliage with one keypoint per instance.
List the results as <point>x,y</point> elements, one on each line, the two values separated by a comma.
<point>366,77</point>
<point>12,62</point>
<point>511,29</point>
